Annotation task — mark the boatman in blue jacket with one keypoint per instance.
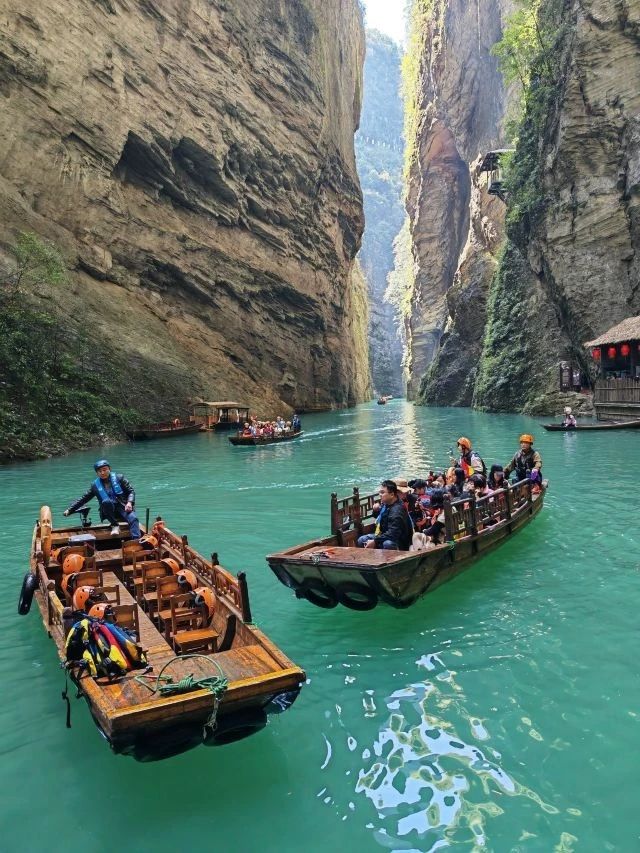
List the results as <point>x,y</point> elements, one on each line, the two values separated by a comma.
<point>116,498</point>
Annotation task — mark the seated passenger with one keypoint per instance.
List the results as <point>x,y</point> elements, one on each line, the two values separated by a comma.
<point>436,529</point>
<point>470,461</point>
<point>496,477</point>
<point>569,420</point>
<point>393,525</point>
<point>525,462</point>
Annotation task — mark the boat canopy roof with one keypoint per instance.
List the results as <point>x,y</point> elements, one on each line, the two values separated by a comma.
<point>627,330</point>
<point>224,404</point>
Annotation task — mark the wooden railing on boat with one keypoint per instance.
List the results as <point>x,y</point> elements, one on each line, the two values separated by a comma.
<point>233,590</point>
<point>463,517</point>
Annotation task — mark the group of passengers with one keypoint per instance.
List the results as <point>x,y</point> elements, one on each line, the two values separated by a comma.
<point>268,429</point>
<point>411,512</point>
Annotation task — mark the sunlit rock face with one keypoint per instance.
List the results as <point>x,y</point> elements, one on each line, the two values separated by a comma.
<point>575,272</point>
<point>461,116</point>
<point>195,163</point>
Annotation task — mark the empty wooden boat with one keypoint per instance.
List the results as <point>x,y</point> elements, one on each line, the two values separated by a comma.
<point>219,675</point>
<point>162,430</point>
<point>332,570</point>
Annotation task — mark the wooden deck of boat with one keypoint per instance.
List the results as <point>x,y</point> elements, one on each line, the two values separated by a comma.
<point>346,554</point>
<point>238,664</point>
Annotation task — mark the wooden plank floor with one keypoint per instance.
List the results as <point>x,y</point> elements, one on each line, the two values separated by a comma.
<point>363,556</point>
<point>237,663</point>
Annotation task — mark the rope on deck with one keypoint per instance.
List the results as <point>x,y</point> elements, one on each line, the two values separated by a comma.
<point>215,684</point>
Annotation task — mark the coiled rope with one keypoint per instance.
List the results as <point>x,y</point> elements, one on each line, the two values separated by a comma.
<point>215,684</point>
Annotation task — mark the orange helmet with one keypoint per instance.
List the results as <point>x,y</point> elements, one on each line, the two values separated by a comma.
<point>68,583</point>
<point>82,597</point>
<point>72,563</point>
<point>103,610</point>
<point>204,596</point>
<point>171,564</point>
<point>187,578</point>
<point>464,442</point>
<point>148,542</point>
<point>526,437</point>
<point>58,554</point>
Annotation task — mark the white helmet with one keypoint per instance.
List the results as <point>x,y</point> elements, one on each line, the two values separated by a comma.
<point>567,410</point>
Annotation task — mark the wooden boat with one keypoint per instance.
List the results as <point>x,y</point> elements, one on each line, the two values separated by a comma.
<point>222,415</point>
<point>162,430</point>
<point>600,425</point>
<point>333,570</point>
<point>134,719</point>
<point>382,401</point>
<point>241,440</point>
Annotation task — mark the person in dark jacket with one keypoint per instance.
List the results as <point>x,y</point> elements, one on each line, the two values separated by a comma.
<point>116,498</point>
<point>393,525</point>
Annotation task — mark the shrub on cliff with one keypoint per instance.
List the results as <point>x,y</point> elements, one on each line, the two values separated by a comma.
<point>52,378</point>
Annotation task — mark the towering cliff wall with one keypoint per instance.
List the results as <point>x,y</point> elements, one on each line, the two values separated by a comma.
<point>459,106</point>
<point>194,161</point>
<point>379,154</point>
<point>570,268</point>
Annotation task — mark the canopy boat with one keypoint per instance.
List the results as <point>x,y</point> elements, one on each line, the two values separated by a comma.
<point>382,401</point>
<point>162,430</point>
<point>601,425</point>
<point>220,415</point>
<point>241,440</point>
<point>333,570</point>
<point>215,676</point>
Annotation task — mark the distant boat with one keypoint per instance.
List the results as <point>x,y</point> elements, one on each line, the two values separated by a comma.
<point>259,440</point>
<point>162,430</point>
<point>601,425</point>
<point>384,399</point>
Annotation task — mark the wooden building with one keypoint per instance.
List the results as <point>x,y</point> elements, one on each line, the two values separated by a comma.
<point>616,394</point>
<point>220,415</point>
<point>491,164</point>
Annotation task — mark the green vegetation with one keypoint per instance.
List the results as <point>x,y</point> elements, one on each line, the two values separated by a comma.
<point>532,53</point>
<point>53,376</point>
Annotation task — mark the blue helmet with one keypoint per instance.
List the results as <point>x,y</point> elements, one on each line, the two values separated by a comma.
<point>101,463</point>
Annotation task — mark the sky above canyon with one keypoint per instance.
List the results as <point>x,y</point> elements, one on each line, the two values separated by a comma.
<point>386,16</point>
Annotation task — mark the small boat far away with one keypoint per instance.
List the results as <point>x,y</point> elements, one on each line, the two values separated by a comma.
<point>165,429</point>
<point>333,570</point>
<point>158,640</point>
<point>241,440</point>
<point>600,425</point>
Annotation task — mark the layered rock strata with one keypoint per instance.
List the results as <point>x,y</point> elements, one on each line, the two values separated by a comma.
<point>572,271</point>
<point>461,107</point>
<point>195,163</point>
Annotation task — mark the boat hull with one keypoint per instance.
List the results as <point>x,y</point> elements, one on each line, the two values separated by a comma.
<point>327,574</point>
<point>590,427</point>
<point>260,441</point>
<point>149,434</point>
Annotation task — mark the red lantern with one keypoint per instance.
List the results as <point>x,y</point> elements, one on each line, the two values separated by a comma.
<point>625,349</point>
<point>596,353</point>
<point>611,352</point>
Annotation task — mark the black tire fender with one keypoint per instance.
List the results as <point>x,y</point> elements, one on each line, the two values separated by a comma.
<point>356,596</point>
<point>318,592</point>
<point>29,586</point>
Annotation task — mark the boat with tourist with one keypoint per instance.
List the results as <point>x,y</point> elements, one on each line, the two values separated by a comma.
<point>593,426</point>
<point>162,429</point>
<point>333,570</point>
<point>219,415</point>
<point>157,639</point>
<point>243,440</point>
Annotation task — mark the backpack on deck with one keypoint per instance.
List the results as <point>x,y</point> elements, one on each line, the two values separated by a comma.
<point>103,648</point>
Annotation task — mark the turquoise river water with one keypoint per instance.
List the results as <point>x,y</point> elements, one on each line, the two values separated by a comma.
<point>500,713</point>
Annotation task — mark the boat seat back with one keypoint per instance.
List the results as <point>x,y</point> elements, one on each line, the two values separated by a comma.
<point>166,587</point>
<point>126,616</point>
<point>92,578</point>
<point>108,593</point>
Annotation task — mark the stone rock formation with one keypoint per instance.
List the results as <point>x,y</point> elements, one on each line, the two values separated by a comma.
<point>573,270</point>
<point>461,106</point>
<point>195,163</point>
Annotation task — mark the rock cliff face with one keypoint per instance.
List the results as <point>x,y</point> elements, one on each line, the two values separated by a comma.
<point>195,162</point>
<point>461,108</point>
<point>572,270</point>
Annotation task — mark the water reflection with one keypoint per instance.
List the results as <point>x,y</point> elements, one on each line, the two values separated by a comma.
<point>429,785</point>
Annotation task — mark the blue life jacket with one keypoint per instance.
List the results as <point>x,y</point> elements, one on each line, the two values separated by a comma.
<point>102,492</point>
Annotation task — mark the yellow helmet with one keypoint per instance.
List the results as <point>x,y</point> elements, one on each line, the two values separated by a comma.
<point>526,437</point>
